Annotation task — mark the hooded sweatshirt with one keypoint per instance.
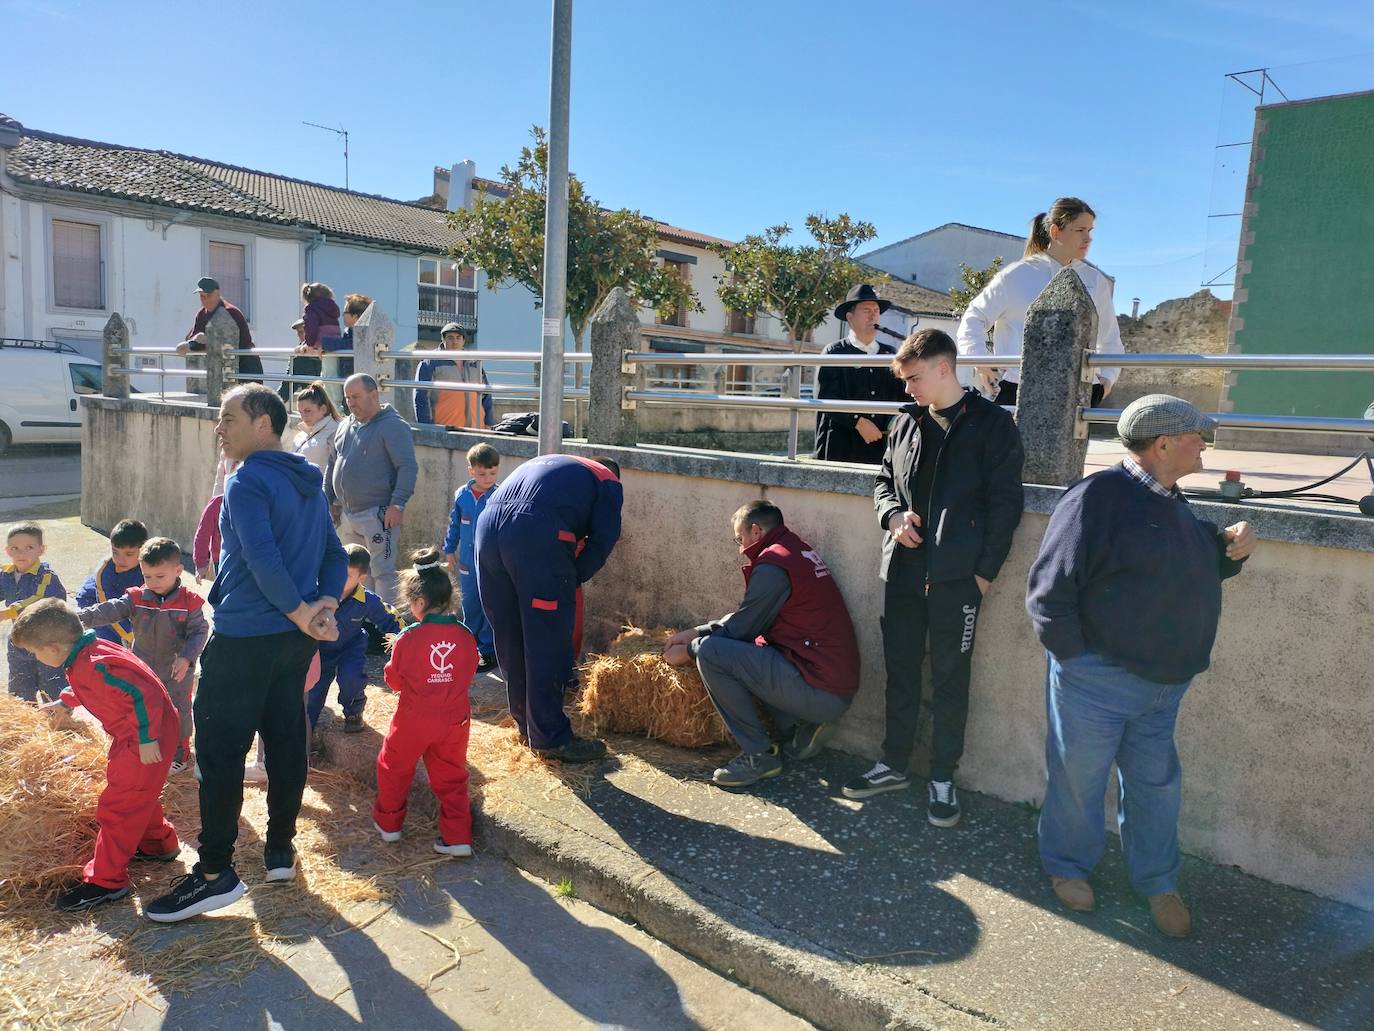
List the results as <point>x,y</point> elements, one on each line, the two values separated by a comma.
<point>321,321</point>
<point>279,546</point>
<point>373,465</point>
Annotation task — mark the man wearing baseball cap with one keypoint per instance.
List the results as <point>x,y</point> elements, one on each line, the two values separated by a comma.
<point>211,299</point>
<point>1125,595</point>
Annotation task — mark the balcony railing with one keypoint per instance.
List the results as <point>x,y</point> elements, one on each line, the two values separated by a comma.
<point>442,304</point>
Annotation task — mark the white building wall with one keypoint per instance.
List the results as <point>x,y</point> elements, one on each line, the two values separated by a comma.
<point>933,259</point>
<point>150,269</point>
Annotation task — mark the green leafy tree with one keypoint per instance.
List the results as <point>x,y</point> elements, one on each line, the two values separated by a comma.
<point>798,284</point>
<point>505,238</point>
<point>974,282</point>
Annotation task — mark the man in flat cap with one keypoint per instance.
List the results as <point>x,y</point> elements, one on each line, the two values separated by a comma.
<point>211,300</point>
<point>854,436</point>
<point>1125,595</point>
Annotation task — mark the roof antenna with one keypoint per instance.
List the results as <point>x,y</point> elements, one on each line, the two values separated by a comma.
<point>340,131</point>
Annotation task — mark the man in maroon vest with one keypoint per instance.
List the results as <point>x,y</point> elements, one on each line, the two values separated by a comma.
<point>790,645</point>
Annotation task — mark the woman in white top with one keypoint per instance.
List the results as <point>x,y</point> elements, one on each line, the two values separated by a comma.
<point>314,440</point>
<point>1058,238</point>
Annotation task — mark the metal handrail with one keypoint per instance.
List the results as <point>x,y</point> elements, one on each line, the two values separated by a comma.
<point>484,356</point>
<point>470,388</point>
<point>1287,362</point>
<point>1243,421</point>
<point>695,399</point>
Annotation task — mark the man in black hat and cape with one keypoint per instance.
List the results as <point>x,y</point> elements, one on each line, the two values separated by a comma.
<point>854,436</point>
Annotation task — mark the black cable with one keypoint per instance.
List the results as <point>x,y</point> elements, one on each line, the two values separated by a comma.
<point>1297,491</point>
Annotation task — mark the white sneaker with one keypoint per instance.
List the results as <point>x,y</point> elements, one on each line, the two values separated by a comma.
<point>254,773</point>
<point>461,851</point>
<point>387,835</point>
<point>181,766</point>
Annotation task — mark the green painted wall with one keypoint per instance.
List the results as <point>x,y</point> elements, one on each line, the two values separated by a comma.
<point>1310,288</point>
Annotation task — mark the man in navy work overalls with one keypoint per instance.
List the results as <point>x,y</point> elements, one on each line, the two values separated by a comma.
<point>528,571</point>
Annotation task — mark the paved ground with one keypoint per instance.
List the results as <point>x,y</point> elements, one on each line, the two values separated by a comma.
<point>528,957</point>
<point>871,895</point>
<point>38,470</point>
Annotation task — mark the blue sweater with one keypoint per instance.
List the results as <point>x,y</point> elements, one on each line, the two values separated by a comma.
<point>462,526</point>
<point>279,545</point>
<point>1131,576</point>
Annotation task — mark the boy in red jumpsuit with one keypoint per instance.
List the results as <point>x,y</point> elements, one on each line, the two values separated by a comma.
<point>432,665</point>
<point>133,707</point>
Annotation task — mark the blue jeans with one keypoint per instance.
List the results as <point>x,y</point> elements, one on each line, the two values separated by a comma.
<point>1098,714</point>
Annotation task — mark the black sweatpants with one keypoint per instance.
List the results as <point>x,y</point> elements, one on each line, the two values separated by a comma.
<point>250,685</point>
<point>949,616</point>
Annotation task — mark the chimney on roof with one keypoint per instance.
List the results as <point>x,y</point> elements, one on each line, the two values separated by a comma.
<point>1135,307</point>
<point>460,185</point>
<point>441,180</point>
<point>10,131</point>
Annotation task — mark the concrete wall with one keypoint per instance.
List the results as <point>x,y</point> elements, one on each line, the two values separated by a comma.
<point>1185,325</point>
<point>1274,738</point>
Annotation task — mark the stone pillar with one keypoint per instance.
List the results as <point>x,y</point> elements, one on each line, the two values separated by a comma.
<point>615,331</point>
<point>115,339</point>
<point>374,333</point>
<point>221,337</point>
<point>1061,324</point>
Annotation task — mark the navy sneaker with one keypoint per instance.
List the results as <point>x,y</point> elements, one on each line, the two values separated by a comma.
<point>942,810</point>
<point>193,895</point>
<point>748,768</point>
<point>87,896</point>
<point>280,863</point>
<point>487,663</point>
<point>880,778</point>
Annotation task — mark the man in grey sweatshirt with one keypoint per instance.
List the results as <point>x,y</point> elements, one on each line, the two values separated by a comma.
<point>370,478</point>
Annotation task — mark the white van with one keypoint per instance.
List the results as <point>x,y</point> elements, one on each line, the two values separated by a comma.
<point>40,381</point>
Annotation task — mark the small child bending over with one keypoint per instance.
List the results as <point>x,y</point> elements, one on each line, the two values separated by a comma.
<point>133,707</point>
<point>169,629</point>
<point>431,668</point>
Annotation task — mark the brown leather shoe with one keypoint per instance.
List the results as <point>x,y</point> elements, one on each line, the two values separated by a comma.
<point>1171,915</point>
<point>1075,893</point>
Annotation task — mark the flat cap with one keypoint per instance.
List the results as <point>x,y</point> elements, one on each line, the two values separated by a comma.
<point>1162,415</point>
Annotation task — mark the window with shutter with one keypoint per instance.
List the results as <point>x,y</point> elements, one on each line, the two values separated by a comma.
<point>229,267</point>
<point>78,271</point>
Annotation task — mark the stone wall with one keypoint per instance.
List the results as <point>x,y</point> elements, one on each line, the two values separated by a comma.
<point>1274,737</point>
<point>1186,325</point>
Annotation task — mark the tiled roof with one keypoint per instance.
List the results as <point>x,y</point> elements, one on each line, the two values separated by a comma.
<point>179,181</point>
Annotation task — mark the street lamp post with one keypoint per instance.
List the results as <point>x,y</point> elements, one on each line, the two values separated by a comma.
<point>556,234</point>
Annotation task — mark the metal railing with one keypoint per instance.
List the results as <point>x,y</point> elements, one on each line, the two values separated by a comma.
<point>1086,416</point>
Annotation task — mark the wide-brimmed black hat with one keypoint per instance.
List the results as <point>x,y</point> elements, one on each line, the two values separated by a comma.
<point>862,292</point>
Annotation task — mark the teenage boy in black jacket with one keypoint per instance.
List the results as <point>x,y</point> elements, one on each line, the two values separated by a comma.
<point>949,498</point>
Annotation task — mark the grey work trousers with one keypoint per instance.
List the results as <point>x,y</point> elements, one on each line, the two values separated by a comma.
<point>738,672</point>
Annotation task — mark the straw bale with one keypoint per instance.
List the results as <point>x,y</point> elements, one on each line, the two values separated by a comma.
<point>632,690</point>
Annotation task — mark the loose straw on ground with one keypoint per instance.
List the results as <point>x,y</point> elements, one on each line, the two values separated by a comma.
<point>632,690</point>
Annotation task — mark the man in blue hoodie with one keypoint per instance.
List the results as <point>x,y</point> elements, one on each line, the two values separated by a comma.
<point>281,572</point>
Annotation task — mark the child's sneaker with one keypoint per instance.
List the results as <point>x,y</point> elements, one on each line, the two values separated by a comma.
<point>280,863</point>
<point>445,849</point>
<point>254,773</point>
<point>193,894</point>
<point>387,836</point>
<point>157,857</point>
<point>486,663</point>
<point>87,896</point>
<point>353,724</point>
<point>181,766</point>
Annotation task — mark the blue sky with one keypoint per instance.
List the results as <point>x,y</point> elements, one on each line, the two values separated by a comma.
<point>724,117</point>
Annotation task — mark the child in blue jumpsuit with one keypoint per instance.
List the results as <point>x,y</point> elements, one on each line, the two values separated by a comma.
<point>483,466</point>
<point>24,580</point>
<point>115,576</point>
<point>346,657</point>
